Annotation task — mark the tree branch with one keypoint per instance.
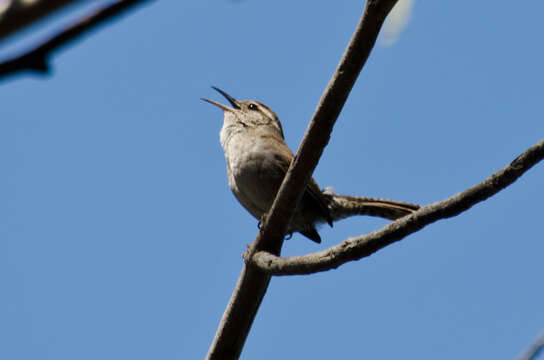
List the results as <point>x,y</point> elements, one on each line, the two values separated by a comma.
<point>252,284</point>
<point>359,247</point>
<point>36,58</point>
<point>534,349</point>
<point>19,15</point>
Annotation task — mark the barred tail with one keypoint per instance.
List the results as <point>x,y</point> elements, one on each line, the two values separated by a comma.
<point>343,206</point>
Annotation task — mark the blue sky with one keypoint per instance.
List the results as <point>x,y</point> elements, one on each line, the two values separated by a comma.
<point>120,239</point>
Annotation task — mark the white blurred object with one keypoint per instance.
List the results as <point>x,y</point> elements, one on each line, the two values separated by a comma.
<point>4,5</point>
<point>396,21</point>
<point>28,2</point>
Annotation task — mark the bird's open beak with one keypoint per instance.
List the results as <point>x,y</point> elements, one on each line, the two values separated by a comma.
<point>231,100</point>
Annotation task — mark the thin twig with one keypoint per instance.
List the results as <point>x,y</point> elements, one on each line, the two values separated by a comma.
<point>252,284</point>
<point>36,58</point>
<point>20,15</point>
<point>534,349</point>
<point>359,247</point>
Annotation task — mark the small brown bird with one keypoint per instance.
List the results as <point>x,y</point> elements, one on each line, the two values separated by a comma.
<point>257,161</point>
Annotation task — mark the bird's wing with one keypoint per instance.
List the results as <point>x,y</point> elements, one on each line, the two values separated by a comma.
<point>312,192</point>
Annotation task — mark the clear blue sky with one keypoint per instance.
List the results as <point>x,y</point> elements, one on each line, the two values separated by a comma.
<point>119,236</point>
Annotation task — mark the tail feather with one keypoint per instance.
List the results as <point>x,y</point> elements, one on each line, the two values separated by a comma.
<point>312,234</point>
<point>343,206</point>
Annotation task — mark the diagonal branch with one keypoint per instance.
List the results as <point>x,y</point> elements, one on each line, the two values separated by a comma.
<point>532,352</point>
<point>318,133</point>
<point>359,247</point>
<point>252,284</point>
<point>36,58</point>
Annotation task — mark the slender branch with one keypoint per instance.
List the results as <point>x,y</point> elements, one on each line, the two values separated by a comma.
<point>20,15</point>
<point>252,284</point>
<point>534,349</point>
<point>36,58</point>
<point>318,132</point>
<point>359,247</point>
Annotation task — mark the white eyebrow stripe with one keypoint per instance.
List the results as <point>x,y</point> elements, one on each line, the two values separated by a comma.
<point>267,111</point>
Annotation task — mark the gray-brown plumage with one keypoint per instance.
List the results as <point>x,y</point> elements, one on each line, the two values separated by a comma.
<point>257,160</point>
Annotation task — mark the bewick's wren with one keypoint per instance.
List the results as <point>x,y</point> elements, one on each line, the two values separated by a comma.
<point>257,161</point>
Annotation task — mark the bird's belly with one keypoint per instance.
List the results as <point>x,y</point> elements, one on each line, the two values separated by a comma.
<point>252,177</point>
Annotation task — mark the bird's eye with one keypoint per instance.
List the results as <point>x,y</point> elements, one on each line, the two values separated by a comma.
<point>252,106</point>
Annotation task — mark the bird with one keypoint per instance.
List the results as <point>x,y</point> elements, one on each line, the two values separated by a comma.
<point>257,160</point>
